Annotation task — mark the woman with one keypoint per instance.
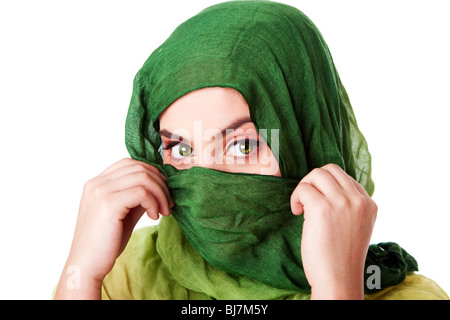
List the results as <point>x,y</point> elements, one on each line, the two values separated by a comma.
<point>242,136</point>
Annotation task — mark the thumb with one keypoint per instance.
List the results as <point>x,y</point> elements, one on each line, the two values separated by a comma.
<point>296,205</point>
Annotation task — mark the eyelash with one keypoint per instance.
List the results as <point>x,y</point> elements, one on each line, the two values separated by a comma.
<point>171,144</point>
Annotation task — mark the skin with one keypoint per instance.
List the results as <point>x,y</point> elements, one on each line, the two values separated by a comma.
<point>339,215</point>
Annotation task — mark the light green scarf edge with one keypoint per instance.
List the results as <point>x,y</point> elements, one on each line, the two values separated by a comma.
<point>194,273</point>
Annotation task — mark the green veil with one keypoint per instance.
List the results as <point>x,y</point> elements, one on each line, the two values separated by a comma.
<point>277,59</point>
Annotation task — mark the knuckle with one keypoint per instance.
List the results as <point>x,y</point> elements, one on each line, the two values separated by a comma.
<point>141,191</point>
<point>127,160</point>
<point>342,203</point>
<point>294,195</point>
<point>98,191</point>
<point>359,203</point>
<point>143,175</point>
<point>374,216</point>
<point>332,166</point>
<point>88,186</point>
<point>316,172</point>
<point>142,166</point>
<point>123,162</point>
<point>93,188</point>
<point>375,207</point>
<point>139,166</point>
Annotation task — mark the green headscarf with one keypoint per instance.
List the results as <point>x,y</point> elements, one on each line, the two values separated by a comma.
<point>277,59</point>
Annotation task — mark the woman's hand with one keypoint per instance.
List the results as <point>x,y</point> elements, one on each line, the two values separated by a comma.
<point>339,219</point>
<point>111,205</point>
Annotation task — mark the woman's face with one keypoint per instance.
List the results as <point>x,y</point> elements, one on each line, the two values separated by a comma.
<point>211,128</point>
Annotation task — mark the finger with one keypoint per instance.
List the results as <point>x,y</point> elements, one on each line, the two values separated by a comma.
<point>360,188</point>
<point>134,202</point>
<point>304,197</point>
<point>296,205</point>
<point>346,181</point>
<point>139,167</point>
<point>139,179</point>
<point>130,162</point>
<point>324,182</point>
<point>121,163</point>
<point>342,178</point>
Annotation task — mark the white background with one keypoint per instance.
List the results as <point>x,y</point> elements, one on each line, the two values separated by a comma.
<point>66,72</point>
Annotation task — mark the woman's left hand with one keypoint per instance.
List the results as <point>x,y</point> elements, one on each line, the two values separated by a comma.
<point>339,217</point>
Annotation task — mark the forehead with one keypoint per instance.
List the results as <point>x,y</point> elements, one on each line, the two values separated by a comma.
<point>214,107</point>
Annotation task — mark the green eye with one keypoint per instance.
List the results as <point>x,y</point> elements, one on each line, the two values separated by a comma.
<point>245,147</point>
<point>179,150</point>
<point>184,150</point>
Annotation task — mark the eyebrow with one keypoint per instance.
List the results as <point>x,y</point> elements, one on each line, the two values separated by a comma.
<point>232,126</point>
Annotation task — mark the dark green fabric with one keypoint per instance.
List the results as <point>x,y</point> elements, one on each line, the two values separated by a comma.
<point>242,223</point>
<point>238,231</point>
<point>277,59</point>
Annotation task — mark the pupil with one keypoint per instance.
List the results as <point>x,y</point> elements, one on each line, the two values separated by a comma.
<point>246,147</point>
<point>185,151</point>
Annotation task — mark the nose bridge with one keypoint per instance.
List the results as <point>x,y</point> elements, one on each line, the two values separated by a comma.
<point>211,154</point>
<point>209,146</point>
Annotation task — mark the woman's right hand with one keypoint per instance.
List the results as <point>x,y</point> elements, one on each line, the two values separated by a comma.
<point>111,205</point>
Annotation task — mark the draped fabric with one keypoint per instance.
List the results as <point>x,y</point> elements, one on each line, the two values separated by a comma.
<point>277,59</point>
